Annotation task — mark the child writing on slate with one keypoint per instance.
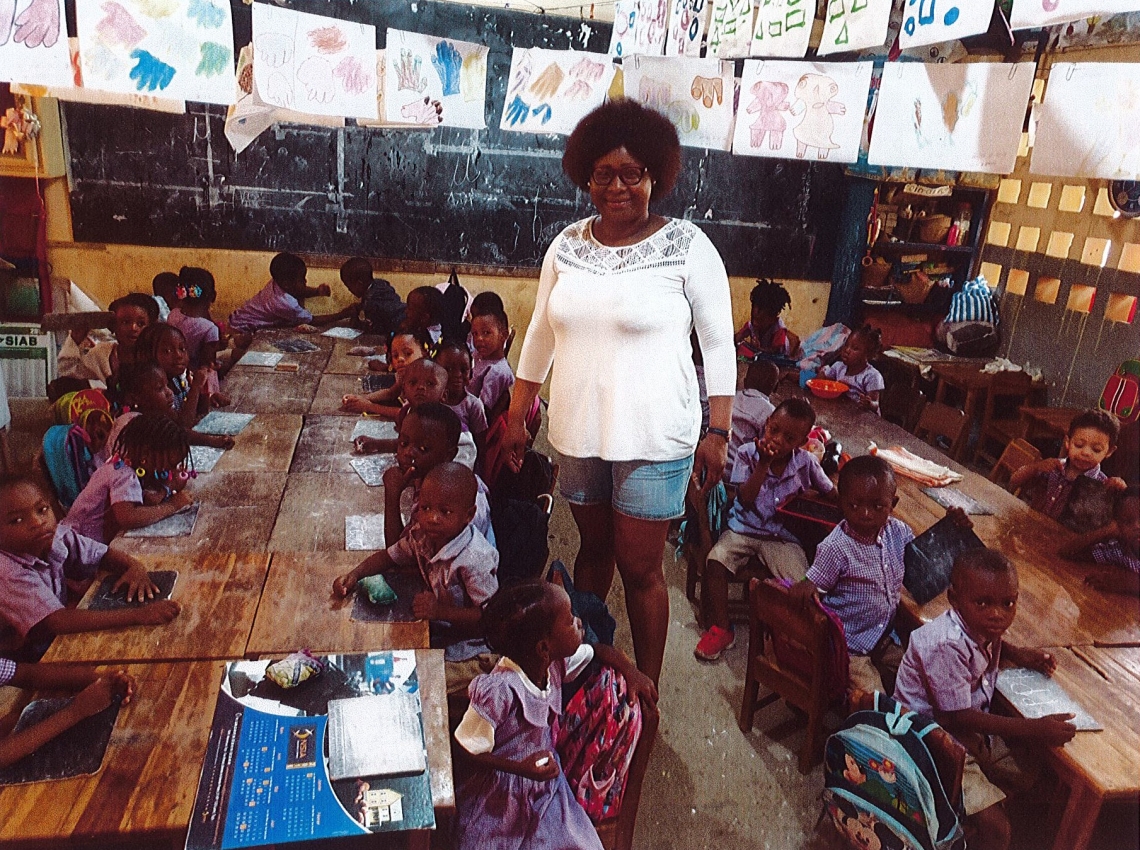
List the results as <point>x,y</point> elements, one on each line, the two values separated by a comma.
<point>403,350</point>
<point>1114,546</point>
<point>517,795</point>
<point>139,485</point>
<point>37,555</point>
<point>1049,483</point>
<point>766,472</point>
<point>764,332</point>
<point>949,672</point>
<point>853,368</point>
<point>454,559</point>
<point>382,307</point>
<point>145,389</point>
<point>279,304</point>
<point>859,569</point>
<point>423,316</point>
<point>81,365</point>
<point>491,375</point>
<point>93,693</point>
<point>456,361</point>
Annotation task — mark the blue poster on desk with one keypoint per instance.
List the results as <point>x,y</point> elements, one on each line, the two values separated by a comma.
<point>339,754</point>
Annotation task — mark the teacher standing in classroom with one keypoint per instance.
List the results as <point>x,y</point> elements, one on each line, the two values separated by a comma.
<point>619,296</point>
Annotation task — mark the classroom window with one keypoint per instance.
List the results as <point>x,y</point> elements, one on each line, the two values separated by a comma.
<point>1081,298</point>
<point>998,233</point>
<point>1130,258</point>
<point>992,273</point>
<point>1018,282</point>
<point>1047,290</point>
<point>1027,238</point>
<point>1059,244</point>
<point>1072,199</point>
<point>1120,308</point>
<point>1009,191</point>
<point>1096,251</point>
<point>1103,206</point>
<point>1039,194</point>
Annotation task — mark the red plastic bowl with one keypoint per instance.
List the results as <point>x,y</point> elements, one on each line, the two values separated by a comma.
<point>823,388</point>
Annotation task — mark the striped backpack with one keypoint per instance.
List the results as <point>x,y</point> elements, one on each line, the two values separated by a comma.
<point>1121,396</point>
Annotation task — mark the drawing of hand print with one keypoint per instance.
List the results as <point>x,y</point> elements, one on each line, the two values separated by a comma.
<point>517,111</point>
<point>655,94</point>
<point>683,116</point>
<point>214,59</point>
<point>118,27</point>
<point>447,63</point>
<point>708,89</point>
<point>474,76</point>
<point>544,110</point>
<point>7,13</point>
<point>273,49</point>
<point>38,24</point>
<point>426,111</point>
<point>278,90</point>
<point>408,73</point>
<point>150,72</point>
<point>579,90</point>
<point>521,77</point>
<point>328,40</point>
<point>315,74</point>
<point>546,86</point>
<point>206,14</point>
<point>352,75</point>
<point>587,69</point>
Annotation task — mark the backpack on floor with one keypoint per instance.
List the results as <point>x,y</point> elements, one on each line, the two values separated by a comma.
<point>1121,396</point>
<point>882,787</point>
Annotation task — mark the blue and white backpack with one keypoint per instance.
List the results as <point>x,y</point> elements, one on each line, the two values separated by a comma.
<point>881,784</point>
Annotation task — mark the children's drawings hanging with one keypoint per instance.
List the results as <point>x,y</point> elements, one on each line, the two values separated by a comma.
<point>855,24</point>
<point>730,33</point>
<point>936,21</point>
<point>310,63</point>
<point>696,95</point>
<point>33,43</point>
<point>550,91</point>
<point>421,70</point>
<point>382,121</point>
<point>640,26</point>
<point>782,28</point>
<point>1030,14</point>
<point>1083,95</point>
<point>957,117</point>
<point>180,49</point>
<point>802,110</point>
<point>688,22</point>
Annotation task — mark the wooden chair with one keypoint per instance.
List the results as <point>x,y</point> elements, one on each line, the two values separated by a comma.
<point>772,613</point>
<point>1016,455</point>
<point>902,405</point>
<point>1008,392</point>
<point>698,543</point>
<point>943,427</point>
<point>617,833</point>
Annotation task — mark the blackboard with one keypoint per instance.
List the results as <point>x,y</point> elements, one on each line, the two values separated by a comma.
<point>447,196</point>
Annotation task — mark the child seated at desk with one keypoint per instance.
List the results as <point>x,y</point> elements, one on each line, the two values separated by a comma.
<point>751,408</point>
<point>422,380</point>
<point>404,348</point>
<point>424,316</point>
<point>37,556</point>
<point>196,292</point>
<point>381,305</point>
<point>93,693</point>
<point>859,570</point>
<point>949,672</point>
<point>145,389</point>
<point>456,361</point>
<point>764,332</point>
<point>166,345</point>
<point>766,472</point>
<point>82,364</point>
<point>165,289</point>
<point>1048,483</point>
<point>853,367</point>
<point>454,559</point>
<point>279,303</point>
<point>1114,546</point>
<point>491,374</point>
<point>139,485</point>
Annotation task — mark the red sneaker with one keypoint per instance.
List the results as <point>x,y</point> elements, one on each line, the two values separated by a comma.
<point>713,642</point>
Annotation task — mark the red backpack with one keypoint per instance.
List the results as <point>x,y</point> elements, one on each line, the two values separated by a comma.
<point>1121,396</point>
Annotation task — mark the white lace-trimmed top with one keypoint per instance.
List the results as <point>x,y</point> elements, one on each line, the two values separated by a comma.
<point>615,324</point>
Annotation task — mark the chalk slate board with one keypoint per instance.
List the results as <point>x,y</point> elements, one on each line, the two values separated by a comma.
<point>929,558</point>
<point>445,195</point>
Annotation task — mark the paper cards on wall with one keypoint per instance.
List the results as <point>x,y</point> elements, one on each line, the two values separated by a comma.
<point>688,23</point>
<point>936,21</point>
<point>550,91</point>
<point>730,33</point>
<point>1089,94</point>
<point>427,112</point>
<point>1028,14</point>
<point>855,24</point>
<point>640,26</point>
<point>958,117</point>
<point>695,94</point>
<point>180,49</point>
<point>33,43</point>
<point>420,69</point>
<point>314,64</point>
<point>802,110</point>
<point>782,28</point>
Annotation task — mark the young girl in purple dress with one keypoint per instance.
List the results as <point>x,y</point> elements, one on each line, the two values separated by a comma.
<point>517,795</point>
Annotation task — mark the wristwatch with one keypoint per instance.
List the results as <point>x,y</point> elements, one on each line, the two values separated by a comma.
<point>720,432</point>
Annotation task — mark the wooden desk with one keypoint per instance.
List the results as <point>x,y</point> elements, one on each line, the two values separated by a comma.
<point>343,363</point>
<point>1052,422</point>
<point>267,391</point>
<point>265,445</point>
<point>325,444</point>
<point>145,789</point>
<point>310,361</point>
<point>968,377</point>
<point>433,699</point>
<point>219,597</point>
<point>331,391</point>
<point>311,517</point>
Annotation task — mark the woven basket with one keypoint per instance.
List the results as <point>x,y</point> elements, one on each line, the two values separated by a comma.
<point>933,229</point>
<point>875,274</point>
<point>915,288</point>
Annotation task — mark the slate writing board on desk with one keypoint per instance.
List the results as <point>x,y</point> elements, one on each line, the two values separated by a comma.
<point>445,196</point>
<point>929,558</point>
<point>75,752</point>
<point>106,598</point>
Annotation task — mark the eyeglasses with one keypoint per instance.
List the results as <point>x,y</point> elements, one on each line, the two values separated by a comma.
<point>630,176</point>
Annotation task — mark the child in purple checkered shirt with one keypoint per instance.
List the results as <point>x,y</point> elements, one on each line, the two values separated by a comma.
<point>1115,545</point>
<point>859,569</point>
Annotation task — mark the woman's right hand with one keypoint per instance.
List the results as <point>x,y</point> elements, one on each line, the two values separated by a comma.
<point>515,443</point>
<point>541,767</point>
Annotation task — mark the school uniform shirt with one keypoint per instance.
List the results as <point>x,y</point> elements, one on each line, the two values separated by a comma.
<point>163,307</point>
<point>180,384</point>
<point>623,385</point>
<point>1055,494</point>
<point>35,587</point>
<point>7,670</point>
<point>383,307</point>
<point>198,331</point>
<point>472,415</point>
<point>750,411</point>
<point>463,573</point>
<point>945,668</point>
<point>490,379</point>
<point>870,380</point>
<point>862,580</point>
<point>1112,552</point>
<point>110,484</point>
<point>411,497</point>
<point>759,519</point>
<point>272,307</point>
<point>121,422</point>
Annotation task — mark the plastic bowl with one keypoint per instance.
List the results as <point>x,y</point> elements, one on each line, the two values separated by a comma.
<point>823,388</point>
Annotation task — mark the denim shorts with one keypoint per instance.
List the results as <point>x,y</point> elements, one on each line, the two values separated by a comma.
<point>641,489</point>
